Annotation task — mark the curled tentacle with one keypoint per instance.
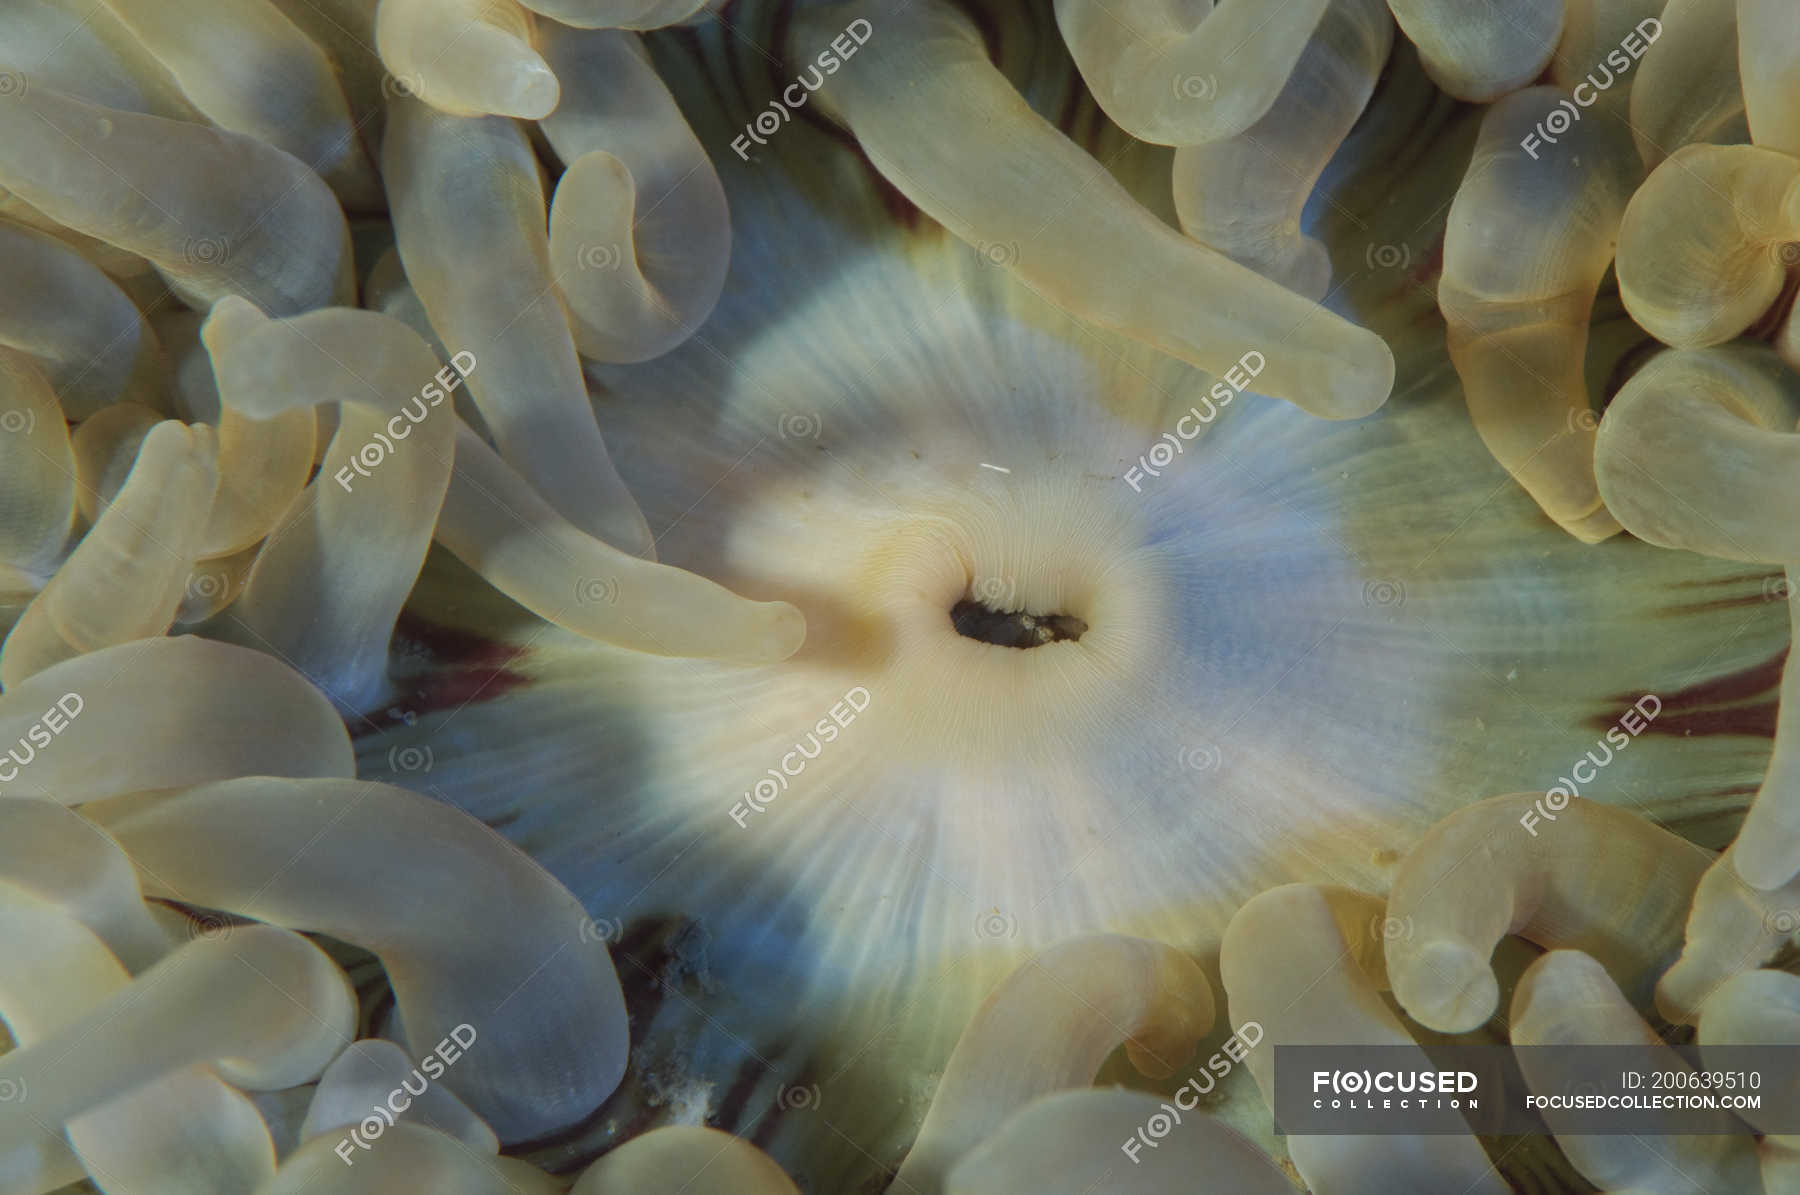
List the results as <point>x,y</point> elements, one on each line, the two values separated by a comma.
<point>126,578</point>
<point>1703,249</point>
<point>465,57</point>
<point>106,447</point>
<point>276,235</point>
<point>328,586</point>
<point>497,525</point>
<point>1697,451</point>
<point>92,343</point>
<point>1243,195</point>
<point>248,68</point>
<point>86,50</point>
<point>367,1074</point>
<point>640,235</point>
<point>61,857</point>
<point>1596,878</point>
<point>1164,79</point>
<point>1757,1008</point>
<point>1291,963</point>
<point>263,466</point>
<point>264,1006</point>
<point>1566,998</point>
<point>1039,205</point>
<point>469,222</point>
<point>1732,928</point>
<point>164,713</point>
<point>1530,237</point>
<point>400,1160</point>
<point>186,1131</point>
<point>500,969</point>
<point>1049,1026</point>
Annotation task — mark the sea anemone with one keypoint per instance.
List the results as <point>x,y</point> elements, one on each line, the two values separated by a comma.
<point>768,598</point>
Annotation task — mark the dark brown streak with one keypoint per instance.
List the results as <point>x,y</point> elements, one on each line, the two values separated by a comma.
<point>465,668</point>
<point>1741,702</point>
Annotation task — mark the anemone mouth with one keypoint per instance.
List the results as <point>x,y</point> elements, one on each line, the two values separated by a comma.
<point>975,619</point>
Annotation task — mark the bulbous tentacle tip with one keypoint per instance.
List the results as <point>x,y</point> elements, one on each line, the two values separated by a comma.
<point>1366,383</point>
<point>466,57</point>
<point>1479,53</point>
<point>1768,861</point>
<point>1732,928</point>
<point>1447,986</point>
<point>784,634</point>
<point>529,91</point>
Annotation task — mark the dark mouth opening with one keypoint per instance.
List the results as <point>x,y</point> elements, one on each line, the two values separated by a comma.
<point>1013,628</point>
